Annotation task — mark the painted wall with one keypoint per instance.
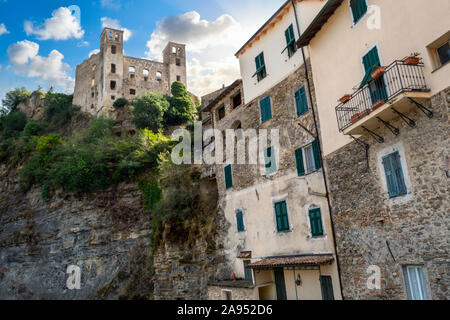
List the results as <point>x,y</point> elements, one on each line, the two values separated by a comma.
<point>272,43</point>
<point>407,26</point>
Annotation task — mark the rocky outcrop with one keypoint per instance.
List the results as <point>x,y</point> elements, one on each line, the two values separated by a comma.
<point>33,106</point>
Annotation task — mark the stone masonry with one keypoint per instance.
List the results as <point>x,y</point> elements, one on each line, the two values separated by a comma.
<point>109,75</point>
<point>372,229</point>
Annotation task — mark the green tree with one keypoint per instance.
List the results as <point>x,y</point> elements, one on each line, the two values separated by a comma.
<point>13,123</point>
<point>13,98</point>
<point>33,128</point>
<point>149,111</point>
<point>59,108</point>
<point>182,108</point>
<point>120,103</point>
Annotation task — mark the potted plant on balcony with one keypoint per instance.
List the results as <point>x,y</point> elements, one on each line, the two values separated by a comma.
<point>378,72</point>
<point>377,104</point>
<point>413,59</point>
<point>345,99</point>
<point>359,116</point>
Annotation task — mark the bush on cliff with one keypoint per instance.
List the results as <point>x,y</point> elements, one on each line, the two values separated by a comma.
<point>149,111</point>
<point>13,98</point>
<point>181,109</point>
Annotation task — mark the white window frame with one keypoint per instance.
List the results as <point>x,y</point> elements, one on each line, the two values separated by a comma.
<point>423,290</point>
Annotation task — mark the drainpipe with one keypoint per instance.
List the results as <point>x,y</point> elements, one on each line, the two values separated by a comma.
<point>320,149</point>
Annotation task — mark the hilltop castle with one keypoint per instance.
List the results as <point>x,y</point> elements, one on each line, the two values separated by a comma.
<point>109,75</point>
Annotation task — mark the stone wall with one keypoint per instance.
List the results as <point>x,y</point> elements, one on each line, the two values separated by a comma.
<point>372,229</point>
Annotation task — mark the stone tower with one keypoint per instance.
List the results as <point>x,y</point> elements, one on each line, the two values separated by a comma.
<point>109,75</point>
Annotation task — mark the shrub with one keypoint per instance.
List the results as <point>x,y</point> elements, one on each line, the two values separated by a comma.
<point>48,143</point>
<point>149,111</point>
<point>13,123</point>
<point>120,103</point>
<point>181,108</point>
<point>58,108</point>
<point>33,128</point>
<point>13,98</point>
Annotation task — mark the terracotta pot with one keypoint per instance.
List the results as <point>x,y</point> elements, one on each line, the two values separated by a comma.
<point>345,99</point>
<point>377,104</point>
<point>412,61</point>
<point>378,72</point>
<point>359,116</point>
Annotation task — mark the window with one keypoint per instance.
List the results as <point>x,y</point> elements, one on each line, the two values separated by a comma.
<point>159,76</point>
<point>394,175</point>
<point>301,102</point>
<point>145,72</point>
<point>359,9</point>
<point>93,82</point>
<point>113,85</point>
<point>174,50</point>
<point>113,68</point>
<point>132,92</point>
<point>308,159</point>
<point>221,112</point>
<point>443,53</point>
<point>94,67</point>
<point>326,285</point>
<point>228,177</point>
<point>270,161</point>
<point>315,220</point>
<point>110,35</point>
<point>93,94</point>
<point>237,100</point>
<point>260,67</point>
<point>266,109</point>
<point>414,283</point>
<point>178,62</point>
<point>240,221</point>
<point>281,216</point>
<point>113,98</point>
<point>178,78</point>
<point>113,49</point>
<point>280,284</point>
<point>248,271</point>
<point>290,41</point>
<point>227,295</point>
<point>116,36</point>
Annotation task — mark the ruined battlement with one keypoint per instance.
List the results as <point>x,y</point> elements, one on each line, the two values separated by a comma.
<point>109,75</point>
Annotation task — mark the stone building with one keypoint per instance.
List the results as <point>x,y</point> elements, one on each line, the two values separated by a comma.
<point>109,75</point>
<point>280,242</point>
<point>386,143</point>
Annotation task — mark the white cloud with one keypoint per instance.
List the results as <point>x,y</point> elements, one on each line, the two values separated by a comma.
<point>61,26</point>
<point>115,24</point>
<point>25,59</point>
<point>210,47</point>
<point>111,4</point>
<point>3,29</point>
<point>83,44</point>
<point>93,52</point>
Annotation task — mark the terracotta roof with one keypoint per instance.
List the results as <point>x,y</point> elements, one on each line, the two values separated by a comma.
<point>316,25</point>
<point>223,94</point>
<point>293,261</point>
<point>245,255</point>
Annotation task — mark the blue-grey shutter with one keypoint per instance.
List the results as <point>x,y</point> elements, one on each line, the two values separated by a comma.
<point>266,109</point>
<point>285,215</point>
<point>390,176</point>
<point>240,221</point>
<point>397,168</point>
<point>301,101</point>
<point>300,162</point>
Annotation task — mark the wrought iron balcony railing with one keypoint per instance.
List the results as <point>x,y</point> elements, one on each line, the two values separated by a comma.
<point>398,78</point>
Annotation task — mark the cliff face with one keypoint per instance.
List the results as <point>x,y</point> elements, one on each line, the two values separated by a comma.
<point>106,234</point>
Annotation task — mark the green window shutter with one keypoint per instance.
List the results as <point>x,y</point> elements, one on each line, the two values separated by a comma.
<point>315,146</point>
<point>300,162</point>
<point>359,8</point>
<point>390,176</point>
<point>315,219</point>
<point>248,271</point>
<point>281,216</point>
<point>266,109</point>
<point>326,285</point>
<point>258,64</point>
<point>301,101</point>
<point>228,177</point>
<point>370,60</point>
<point>289,33</point>
<point>397,167</point>
<point>240,221</point>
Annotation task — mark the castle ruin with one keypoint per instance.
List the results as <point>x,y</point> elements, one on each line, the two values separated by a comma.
<point>109,75</point>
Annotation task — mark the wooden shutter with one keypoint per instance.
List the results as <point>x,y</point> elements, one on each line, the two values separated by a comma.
<point>300,162</point>
<point>281,216</point>
<point>266,109</point>
<point>301,101</point>
<point>289,33</point>
<point>390,176</point>
<point>370,60</point>
<point>397,168</point>
<point>228,177</point>
<point>240,221</point>
<point>317,160</point>
<point>359,8</point>
<point>248,271</point>
<point>315,219</point>
<point>326,285</point>
<point>280,284</point>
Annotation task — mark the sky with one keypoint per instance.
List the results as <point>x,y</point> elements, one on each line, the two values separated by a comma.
<point>42,42</point>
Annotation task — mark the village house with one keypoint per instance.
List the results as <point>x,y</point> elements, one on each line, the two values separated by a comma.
<point>386,142</point>
<point>280,242</point>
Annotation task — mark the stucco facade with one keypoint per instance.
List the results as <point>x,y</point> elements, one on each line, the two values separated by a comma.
<point>109,75</point>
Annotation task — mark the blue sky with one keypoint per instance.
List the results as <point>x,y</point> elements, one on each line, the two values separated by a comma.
<point>41,42</point>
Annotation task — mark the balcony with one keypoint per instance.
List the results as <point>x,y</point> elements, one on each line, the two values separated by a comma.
<point>401,89</point>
